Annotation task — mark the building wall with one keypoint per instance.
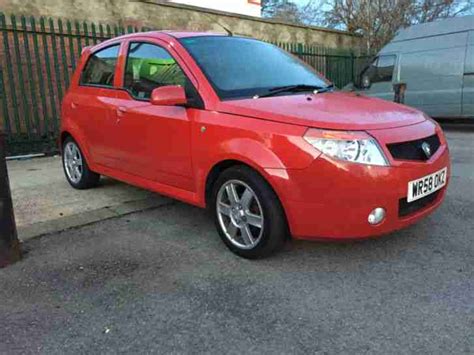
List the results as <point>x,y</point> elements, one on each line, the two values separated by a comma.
<point>165,15</point>
<point>242,7</point>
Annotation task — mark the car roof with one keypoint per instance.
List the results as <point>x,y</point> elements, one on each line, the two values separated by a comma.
<point>175,34</point>
<point>156,34</point>
<point>185,34</point>
<point>164,34</point>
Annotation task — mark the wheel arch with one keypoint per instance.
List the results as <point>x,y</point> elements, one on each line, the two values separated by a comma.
<point>214,174</point>
<point>66,133</point>
<point>223,165</point>
<point>62,137</point>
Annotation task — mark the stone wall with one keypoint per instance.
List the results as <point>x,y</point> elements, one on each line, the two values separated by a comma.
<point>164,15</point>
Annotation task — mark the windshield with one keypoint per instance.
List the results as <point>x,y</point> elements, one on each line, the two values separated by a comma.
<point>242,67</point>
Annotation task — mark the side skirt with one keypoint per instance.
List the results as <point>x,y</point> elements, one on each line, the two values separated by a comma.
<point>167,190</point>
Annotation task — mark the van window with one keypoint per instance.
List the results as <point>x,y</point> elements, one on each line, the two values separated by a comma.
<point>381,69</point>
<point>100,68</point>
<point>385,67</point>
<point>148,67</point>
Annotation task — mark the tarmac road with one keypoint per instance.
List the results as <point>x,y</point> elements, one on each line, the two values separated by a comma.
<point>162,281</point>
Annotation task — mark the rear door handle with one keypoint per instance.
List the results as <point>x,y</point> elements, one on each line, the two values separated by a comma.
<point>74,105</point>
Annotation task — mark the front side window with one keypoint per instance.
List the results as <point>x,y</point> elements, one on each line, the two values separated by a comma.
<point>148,67</point>
<point>100,68</point>
<point>243,67</point>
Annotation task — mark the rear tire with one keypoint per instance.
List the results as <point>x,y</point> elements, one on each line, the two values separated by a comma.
<point>75,166</point>
<point>247,213</point>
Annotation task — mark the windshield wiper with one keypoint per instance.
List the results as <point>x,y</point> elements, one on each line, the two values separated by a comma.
<point>295,88</point>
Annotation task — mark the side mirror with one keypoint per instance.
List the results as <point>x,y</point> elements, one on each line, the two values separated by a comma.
<point>170,95</point>
<point>365,82</point>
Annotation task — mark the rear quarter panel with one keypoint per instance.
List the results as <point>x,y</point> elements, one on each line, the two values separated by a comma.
<point>68,122</point>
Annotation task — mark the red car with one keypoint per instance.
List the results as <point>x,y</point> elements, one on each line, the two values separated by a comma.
<point>254,134</point>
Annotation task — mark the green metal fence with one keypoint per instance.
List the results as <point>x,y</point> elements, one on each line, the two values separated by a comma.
<point>38,56</point>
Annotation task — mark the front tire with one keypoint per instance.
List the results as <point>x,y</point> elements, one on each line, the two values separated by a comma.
<point>75,166</point>
<point>248,214</point>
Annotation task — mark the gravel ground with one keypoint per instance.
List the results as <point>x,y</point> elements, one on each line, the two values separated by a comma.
<point>162,281</point>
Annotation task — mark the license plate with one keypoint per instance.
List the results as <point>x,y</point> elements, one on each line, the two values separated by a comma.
<point>426,185</point>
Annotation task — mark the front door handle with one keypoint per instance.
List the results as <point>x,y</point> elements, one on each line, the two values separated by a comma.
<point>121,111</point>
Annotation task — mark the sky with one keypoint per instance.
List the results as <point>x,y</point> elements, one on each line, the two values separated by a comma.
<point>300,2</point>
<point>463,2</point>
<point>303,2</point>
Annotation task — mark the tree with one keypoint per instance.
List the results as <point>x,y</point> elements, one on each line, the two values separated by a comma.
<point>376,20</point>
<point>309,12</point>
<point>284,10</point>
<point>379,20</point>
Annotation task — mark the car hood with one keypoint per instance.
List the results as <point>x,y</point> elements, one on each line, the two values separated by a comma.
<point>333,110</point>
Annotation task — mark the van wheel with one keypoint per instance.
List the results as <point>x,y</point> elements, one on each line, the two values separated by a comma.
<point>75,166</point>
<point>248,214</point>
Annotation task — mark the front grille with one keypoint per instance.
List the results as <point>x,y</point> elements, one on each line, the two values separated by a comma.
<point>412,150</point>
<point>407,208</point>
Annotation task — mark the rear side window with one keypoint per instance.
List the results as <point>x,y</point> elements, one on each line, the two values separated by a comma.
<point>100,68</point>
<point>148,67</point>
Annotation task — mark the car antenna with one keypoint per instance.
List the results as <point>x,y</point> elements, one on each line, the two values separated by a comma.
<point>229,32</point>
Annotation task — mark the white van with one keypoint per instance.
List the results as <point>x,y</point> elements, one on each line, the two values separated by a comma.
<point>436,62</point>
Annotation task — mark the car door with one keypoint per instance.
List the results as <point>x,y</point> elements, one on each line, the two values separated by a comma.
<point>379,76</point>
<point>153,142</point>
<point>91,104</point>
<point>468,79</point>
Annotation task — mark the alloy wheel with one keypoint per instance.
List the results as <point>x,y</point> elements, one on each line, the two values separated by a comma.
<point>240,214</point>
<point>73,162</point>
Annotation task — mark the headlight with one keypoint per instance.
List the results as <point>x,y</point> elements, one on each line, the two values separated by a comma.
<point>356,146</point>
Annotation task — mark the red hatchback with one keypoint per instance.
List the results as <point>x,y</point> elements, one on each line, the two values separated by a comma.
<point>254,134</point>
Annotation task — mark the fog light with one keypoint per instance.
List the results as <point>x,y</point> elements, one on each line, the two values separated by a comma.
<point>376,216</point>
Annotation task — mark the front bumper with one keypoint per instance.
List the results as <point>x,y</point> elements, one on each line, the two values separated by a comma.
<point>332,199</point>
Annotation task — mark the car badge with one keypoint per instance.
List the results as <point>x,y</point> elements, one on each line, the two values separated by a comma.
<point>426,149</point>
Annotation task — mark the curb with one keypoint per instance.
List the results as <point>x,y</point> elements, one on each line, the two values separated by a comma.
<point>90,217</point>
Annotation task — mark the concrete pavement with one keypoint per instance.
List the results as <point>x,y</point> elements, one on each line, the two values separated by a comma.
<point>45,203</point>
